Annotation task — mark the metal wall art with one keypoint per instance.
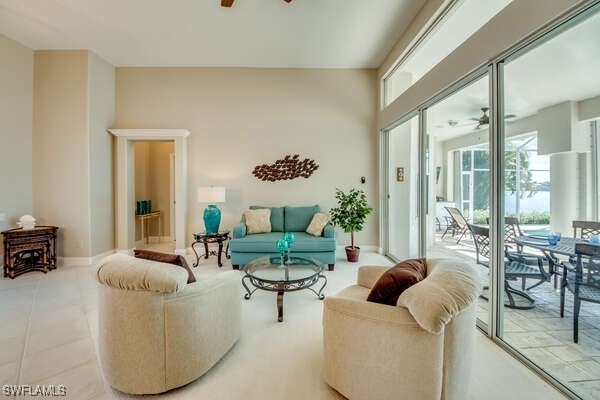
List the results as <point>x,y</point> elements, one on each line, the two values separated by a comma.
<point>290,167</point>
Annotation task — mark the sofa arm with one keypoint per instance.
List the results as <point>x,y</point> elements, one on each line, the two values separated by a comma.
<point>358,334</point>
<point>368,275</point>
<point>329,230</point>
<point>202,322</point>
<point>239,231</point>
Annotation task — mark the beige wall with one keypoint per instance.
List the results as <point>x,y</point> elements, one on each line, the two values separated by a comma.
<point>519,19</point>
<point>152,181</point>
<point>242,117</point>
<point>72,164</point>
<point>61,166</point>
<point>101,85</point>
<point>16,107</point>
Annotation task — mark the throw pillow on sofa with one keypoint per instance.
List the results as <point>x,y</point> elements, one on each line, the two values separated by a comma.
<point>276,217</point>
<point>318,222</point>
<point>258,221</point>
<point>396,280</point>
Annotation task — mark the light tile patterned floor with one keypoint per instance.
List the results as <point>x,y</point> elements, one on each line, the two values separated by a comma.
<point>540,334</point>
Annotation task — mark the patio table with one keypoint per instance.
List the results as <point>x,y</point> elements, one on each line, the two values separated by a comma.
<point>565,247</point>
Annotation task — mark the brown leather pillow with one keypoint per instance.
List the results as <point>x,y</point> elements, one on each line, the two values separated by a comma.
<point>396,280</point>
<point>174,259</point>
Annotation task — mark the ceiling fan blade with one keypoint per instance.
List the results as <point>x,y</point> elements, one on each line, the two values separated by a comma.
<point>510,116</point>
<point>227,3</point>
<point>288,1</point>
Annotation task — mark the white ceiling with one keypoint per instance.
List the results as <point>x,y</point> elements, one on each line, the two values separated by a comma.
<point>252,33</point>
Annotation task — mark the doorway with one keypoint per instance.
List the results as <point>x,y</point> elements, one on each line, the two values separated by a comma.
<point>154,188</point>
<point>125,198</point>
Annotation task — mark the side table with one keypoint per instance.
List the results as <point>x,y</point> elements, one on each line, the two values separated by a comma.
<point>28,250</point>
<point>204,238</point>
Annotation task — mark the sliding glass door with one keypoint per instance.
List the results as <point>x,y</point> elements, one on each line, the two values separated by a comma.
<point>551,106</point>
<point>402,165</point>
<point>502,171</point>
<point>457,176</point>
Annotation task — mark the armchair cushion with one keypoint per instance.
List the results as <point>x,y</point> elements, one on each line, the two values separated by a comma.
<point>276,217</point>
<point>258,221</point>
<point>298,218</point>
<point>167,258</point>
<point>396,280</point>
<point>448,289</point>
<point>121,271</point>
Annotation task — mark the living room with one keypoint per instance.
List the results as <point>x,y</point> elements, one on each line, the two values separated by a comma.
<point>247,96</point>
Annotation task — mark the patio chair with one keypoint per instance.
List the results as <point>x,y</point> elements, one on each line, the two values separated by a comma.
<point>512,230</point>
<point>583,289</point>
<point>515,266</point>
<point>583,229</point>
<point>458,225</point>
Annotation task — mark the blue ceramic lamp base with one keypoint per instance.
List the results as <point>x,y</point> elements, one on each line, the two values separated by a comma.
<point>212,219</point>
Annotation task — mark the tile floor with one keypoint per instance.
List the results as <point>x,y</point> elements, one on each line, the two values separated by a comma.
<point>50,329</point>
<point>540,333</point>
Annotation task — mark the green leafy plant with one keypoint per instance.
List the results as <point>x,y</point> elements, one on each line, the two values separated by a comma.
<point>351,212</point>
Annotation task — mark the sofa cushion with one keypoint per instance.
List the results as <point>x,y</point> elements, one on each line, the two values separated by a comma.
<point>265,243</point>
<point>450,287</point>
<point>166,258</point>
<point>297,219</point>
<point>122,271</point>
<point>258,221</point>
<point>318,222</point>
<point>396,280</point>
<point>276,217</point>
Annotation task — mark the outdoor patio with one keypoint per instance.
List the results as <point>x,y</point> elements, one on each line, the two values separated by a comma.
<point>539,333</point>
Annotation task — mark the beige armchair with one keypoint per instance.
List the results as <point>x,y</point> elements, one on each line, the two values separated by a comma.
<point>420,349</point>
<point>156,332</point>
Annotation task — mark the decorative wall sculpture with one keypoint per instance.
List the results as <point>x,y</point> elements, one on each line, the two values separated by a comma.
<point>290,167</point>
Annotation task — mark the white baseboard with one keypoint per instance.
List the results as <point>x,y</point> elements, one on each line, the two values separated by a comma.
<point>99,257</point>
<point>69,261</point>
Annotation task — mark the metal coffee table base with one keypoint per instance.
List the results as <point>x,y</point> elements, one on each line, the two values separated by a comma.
<point>282,287</point>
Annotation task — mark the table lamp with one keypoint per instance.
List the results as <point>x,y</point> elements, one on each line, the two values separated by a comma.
<point>212,215</point>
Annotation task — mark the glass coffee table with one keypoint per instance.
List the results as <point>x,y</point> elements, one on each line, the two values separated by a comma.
<point>296,273</point>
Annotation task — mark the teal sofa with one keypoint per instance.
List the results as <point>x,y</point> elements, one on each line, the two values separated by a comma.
<point>247,247</point>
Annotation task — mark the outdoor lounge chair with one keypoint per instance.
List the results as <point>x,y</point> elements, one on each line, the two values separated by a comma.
<point>583,289</point>
<point>459,224</point>
<point>515,267</point>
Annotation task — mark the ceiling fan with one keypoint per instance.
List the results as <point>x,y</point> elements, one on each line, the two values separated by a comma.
<point>485,119</point>
<point>229,3</point>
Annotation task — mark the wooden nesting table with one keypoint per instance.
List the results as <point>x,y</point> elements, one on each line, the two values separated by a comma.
<point>28,250</point>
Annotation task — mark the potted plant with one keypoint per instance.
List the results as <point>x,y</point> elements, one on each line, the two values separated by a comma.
<point>350,215</point>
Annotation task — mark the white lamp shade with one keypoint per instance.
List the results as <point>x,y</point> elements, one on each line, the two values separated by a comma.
<point>211,194</point>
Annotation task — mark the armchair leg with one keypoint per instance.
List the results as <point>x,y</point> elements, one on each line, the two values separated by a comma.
<point>331,266</point>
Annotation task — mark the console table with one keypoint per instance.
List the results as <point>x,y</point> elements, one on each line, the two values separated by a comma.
<point>145,219</point>
<point>28,250</point>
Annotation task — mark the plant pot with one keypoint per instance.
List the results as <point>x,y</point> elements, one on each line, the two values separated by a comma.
<point>352,253</point>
